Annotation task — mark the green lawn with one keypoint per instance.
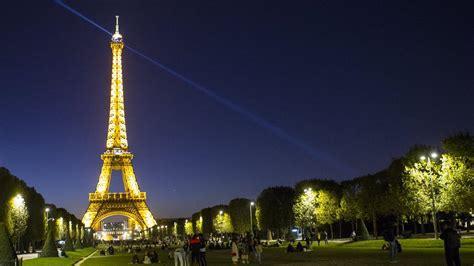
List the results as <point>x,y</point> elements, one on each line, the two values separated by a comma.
<point>74,256</point>
<point>415,252</point>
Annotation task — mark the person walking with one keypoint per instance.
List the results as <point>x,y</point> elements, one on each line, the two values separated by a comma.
<point>258,251</point>
<point>325,237</point>
<point>389,236</point>
<point>202,251</point>
<point>195,246</point>
<point>452,243</point>
<point>235,251</point>
<point>318,238</point>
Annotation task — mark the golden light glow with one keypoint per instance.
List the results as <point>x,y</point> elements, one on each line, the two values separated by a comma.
<point>18,201</point>
<point>131,203</point>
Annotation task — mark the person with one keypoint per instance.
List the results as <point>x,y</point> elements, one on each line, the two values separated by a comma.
<point>258,251</point>
<point>135,259</point>
<point>325,234</point>
<point>389,236</point>
<point>251,245</point>
<point>147,259</point>
<point>179,256</point>
<point>353,236</point>
<point>299,247</point>
<point>195,246</point>
<point>308,245</point>
<point>62,253</point>
<point>154,257</point>
<point>244,252</point>
<point>202,251</point>
<point>110,250</point>
<point>318,238</point>
<point>290,248</point>
<point>452,243</point>
<point>235,251</point>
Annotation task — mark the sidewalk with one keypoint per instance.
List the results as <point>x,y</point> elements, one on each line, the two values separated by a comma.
<point>28,256</point>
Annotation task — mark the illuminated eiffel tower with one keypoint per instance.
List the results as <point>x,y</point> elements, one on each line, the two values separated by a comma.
<point>132,202</point>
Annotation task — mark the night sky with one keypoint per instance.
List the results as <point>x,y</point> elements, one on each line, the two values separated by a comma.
<point>357,82</point>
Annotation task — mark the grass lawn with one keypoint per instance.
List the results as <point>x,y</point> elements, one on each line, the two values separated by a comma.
<point>74,256</point>
<point>415,252</point>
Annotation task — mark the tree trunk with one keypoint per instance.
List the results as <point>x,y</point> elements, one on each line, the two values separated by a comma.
<point>269,234</point>
<point>356,225</point>
<point>332,233</point>
<point>374,225</point>
<point>398,227</point>
<point>468,225</point>
<point>415,229</point>
<point>423,232</point>
<point>403,227</point>
<point>340,229</point>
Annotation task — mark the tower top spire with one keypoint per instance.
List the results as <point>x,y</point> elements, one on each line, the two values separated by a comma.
<point>116,37</point>
<point>116,24</point>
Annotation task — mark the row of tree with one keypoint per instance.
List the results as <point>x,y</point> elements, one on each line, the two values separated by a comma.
<point>219,219</point>
<point>402,195</point>
<point>24,212</point>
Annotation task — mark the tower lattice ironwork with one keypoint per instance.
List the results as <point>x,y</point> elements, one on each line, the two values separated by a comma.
<point>132,202</point>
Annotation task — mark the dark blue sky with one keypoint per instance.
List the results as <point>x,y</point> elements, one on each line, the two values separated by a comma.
<point>359,82</point>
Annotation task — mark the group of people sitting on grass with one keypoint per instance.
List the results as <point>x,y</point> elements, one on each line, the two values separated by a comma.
<point>299,247</point>
<point>109,251</point>
<point>149,258</point>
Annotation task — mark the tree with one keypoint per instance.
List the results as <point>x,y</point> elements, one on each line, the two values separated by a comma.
<point>49,247</point>
<point>326,208</point>
<point>17,218</point>
<point>7,252</point>
<point>349,207</point>
<point>423,182</point>
<point>275,208</point>
<point>197,222</point>
<point>78,242</point>
<point>35,228</point>
<point>305,209</point>
<point>188,227</point>
<point>239,210</point>
<point>362,233</point>
<point>457,171</point>
<point>206,221</point>
<point>221,221</point>
<point>68,245</point>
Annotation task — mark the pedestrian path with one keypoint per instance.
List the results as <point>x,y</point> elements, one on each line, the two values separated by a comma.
<point>84,259</point>
<point>28,256</point>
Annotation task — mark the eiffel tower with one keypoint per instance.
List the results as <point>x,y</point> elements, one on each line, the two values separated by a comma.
<point>132,202</point>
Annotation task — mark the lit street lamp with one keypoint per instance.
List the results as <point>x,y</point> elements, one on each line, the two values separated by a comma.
<point>433,155</point>
<point>251,223</point>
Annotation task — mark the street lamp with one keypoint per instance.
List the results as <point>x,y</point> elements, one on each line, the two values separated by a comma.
<point>251,223</point>
<point>18,201</point>
<point>433,155</point>
<point>221,212</point>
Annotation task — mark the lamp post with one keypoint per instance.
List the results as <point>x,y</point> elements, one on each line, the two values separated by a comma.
<point>251,222</point>
<point>433,155</point>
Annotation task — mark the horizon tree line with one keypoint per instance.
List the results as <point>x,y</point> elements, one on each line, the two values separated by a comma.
<point>401,196</point>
